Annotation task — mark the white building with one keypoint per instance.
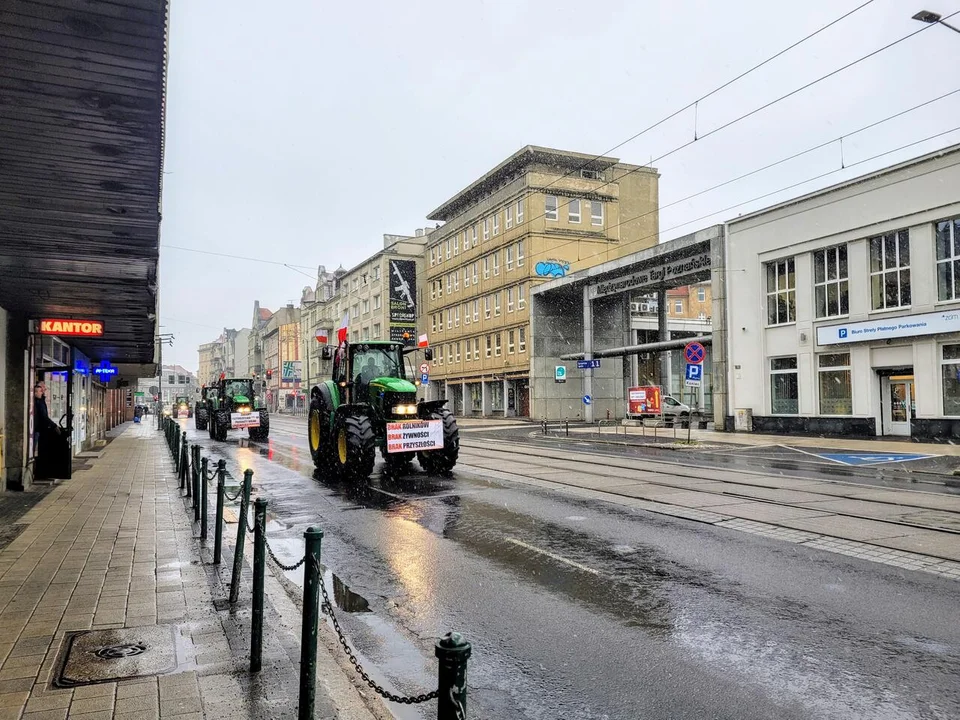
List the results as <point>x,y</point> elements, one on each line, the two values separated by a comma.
<point>844,306</point>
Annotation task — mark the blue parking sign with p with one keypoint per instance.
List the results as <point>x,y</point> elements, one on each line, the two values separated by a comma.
<point>694,372</point>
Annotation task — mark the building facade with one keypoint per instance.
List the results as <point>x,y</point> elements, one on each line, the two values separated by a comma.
<point>846,317</point>
<point>539,215</point>
<point>206,373</point>
<point>318,313</point>
<point>281,360</point>
<point>226,355</point>
<point>255,364</point>
<point>176,381</point>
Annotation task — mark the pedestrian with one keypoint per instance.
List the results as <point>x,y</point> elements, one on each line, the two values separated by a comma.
<point>42,424</point>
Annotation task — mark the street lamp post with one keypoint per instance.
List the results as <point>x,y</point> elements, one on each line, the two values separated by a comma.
<point>932,18</point>
<point>162,339</point>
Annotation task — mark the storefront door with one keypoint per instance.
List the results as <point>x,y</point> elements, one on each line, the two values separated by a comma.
<point>899,404</point>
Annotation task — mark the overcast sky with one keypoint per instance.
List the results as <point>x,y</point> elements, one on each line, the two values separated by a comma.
<point>301,131</point>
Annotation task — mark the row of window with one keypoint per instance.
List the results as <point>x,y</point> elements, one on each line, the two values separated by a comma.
<point>834,385</point>
<point>889,275</point>
<point>492,345</point>
<point>514,256</point>
<point>374,276</point>
<point>574,210</point>
<point>516,297</point>
<point>367,334</point>
<point>356,309</point>
<point>470,237</point>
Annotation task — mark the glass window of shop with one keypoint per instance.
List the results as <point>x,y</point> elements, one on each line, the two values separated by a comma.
<point>836,394</point>
<point>950,374</point>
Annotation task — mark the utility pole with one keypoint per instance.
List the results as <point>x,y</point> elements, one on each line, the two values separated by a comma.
<point>162,339</point>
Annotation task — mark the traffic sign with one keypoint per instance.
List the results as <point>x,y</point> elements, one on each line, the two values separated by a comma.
<point>587,399</point>
<point>588,364</point>
<point>694,353</point>
<point>424,379</point>
<point>560,374</point>
<point>424,368</point>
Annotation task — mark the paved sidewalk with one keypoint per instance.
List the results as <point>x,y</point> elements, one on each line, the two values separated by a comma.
<point>114,548</point>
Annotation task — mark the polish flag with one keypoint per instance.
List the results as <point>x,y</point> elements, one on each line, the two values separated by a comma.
<point>323,336</point>
<point>422,341</point>
<point>342,330</point>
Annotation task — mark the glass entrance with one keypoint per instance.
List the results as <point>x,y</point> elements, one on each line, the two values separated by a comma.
<point>899,404</point>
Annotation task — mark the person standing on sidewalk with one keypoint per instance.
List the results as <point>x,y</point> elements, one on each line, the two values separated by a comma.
<point>42,424</point>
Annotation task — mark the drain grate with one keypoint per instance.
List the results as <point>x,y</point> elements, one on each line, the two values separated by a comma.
<point>97,656</point>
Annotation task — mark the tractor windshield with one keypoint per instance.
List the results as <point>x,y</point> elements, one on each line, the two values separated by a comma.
<point>238,387</point>
<point>374,361</point>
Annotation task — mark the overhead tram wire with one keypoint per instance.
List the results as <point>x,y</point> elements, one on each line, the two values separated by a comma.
<point>700,99</point>
<point>745,116</point>
<point>804,182</point>
<point>235,257</point>
<point>781,161</point>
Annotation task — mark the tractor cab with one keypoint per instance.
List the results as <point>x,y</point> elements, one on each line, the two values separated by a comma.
<point>370,370</point>
<point>234,404</point>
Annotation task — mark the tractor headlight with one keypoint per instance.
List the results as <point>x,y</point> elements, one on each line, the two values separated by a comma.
<point>244,409</point>
<point>404,409</point>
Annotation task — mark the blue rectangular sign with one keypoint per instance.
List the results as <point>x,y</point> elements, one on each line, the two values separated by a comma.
<point>424,379</point>
<point>694,372</point>
<point>587,364</point>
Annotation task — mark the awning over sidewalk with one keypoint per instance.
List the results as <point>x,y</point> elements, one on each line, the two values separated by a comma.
<point>82,89</point>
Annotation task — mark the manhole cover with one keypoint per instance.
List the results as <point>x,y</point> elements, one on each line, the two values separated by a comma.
<point>97,656</point>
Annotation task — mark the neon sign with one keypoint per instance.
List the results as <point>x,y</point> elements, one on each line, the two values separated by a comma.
<point>105,369</point>
<point>75,328</point>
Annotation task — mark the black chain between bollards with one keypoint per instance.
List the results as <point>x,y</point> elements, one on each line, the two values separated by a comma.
<point>327,609</point>
<point>287,568</point>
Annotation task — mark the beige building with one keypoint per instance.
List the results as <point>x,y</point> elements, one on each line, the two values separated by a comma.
<point>538,215</point>
<point>206,375</point>
<point>281,360</point>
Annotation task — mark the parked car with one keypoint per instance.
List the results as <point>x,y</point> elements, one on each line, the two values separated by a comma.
<point>673,407</point>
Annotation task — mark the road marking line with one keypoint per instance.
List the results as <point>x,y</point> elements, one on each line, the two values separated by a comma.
<point>554,556</point>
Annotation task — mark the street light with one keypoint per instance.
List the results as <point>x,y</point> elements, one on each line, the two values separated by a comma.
<point>931,17</point>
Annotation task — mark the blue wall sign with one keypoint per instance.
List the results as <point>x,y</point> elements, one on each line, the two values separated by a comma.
<point>105,369</point>
<point>587,364</point>
<point>694,372</point>
<point>587,399</point>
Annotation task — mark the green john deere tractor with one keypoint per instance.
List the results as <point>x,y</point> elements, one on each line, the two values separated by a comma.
<point>200,412</point>
<point>370,404</point>
<point>233,404</point>
<point>181,407</point>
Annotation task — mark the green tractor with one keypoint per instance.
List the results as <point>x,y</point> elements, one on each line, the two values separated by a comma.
<point>370,403</point>
<point>200,412</point>
<point>233,404</point>
<point>181,407</point>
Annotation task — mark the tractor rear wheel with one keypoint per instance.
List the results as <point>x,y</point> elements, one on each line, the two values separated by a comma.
<point>221,426</point>
<point>355,446</point>
<point>319,437</point>
<point>442,461</point>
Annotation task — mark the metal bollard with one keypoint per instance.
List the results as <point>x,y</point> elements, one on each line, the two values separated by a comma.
<point>203,496</point>
<point>195,481</point>
<point>259,561</point>
<point>311,615</point>
<point>566,427</point>
<point>453,652</point>
<point>241,534</point>
<point>184,483</point>
<point>218,527</point>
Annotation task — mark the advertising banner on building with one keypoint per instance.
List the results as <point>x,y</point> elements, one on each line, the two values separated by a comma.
<point>891,328</point>
<point>417,435</point>
<point>403,306</point>
<point>290,372</point>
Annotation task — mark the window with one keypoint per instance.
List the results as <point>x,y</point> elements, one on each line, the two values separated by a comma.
<point>439,288</point>
<point>508,220</point>
<point>456,282</point>
<point>573,211</point>
<point>456,245</point>
<point>171,380</point>
<point>496,305</point>
<point>356,283</point>
<point>366,307</point>
<point>440,355</point>
<point>521,296</point>
<point>439,254</point>
<point>486,229</point>
<point>365,334</point>
<point>376,273</point>
<point>830,286</point>
<point>520,253</point>
<point>486,307</point>
<point>376,331</point>
<point>476,311</point>
<point>433,256</point>
<point>450,353</point>
<point>476,348</point>
<point>498,345</point>
<point>376,302</point>
<point>356,311</point>
<point>890,270</point>
<point>446,247</point>
<point>449,318</point>
<point>474,231</point>
<point>486,268</point>
<point>466,313</point>
<point>466,276</point>
<point>678,307</point>
<point>551,213</point>
<point>476,278</point>
<point>496,224</point>
<point>488,346</point>
<point>784,392</point>
<point>449,283</point>
<point>701,294</point>
<point>456,316</point>
<point>522,347</point>
<point>950,371</point>
<point>433,323</point>
<point>781,292</point>
<point>510,344</point>
<point>496,263</point>
<point>509,252</point>
<point>596,212</point>
<point>836,396</point>
<point>457,350</point>
<point>948,259</point>
<point>509,300</point>
<point>440,322</point>
<point>519,211</point>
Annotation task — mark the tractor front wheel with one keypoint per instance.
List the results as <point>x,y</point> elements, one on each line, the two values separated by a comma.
<point>263,432</point>
<point>221,426</point>
<point>355,446</point>
<point>440,462</point>
<point>318,435</point>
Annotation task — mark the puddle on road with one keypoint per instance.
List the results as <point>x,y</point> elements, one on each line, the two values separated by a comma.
<point>345,598</point>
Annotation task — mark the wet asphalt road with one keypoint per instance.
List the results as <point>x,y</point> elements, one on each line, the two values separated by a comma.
<point>581,609</point>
